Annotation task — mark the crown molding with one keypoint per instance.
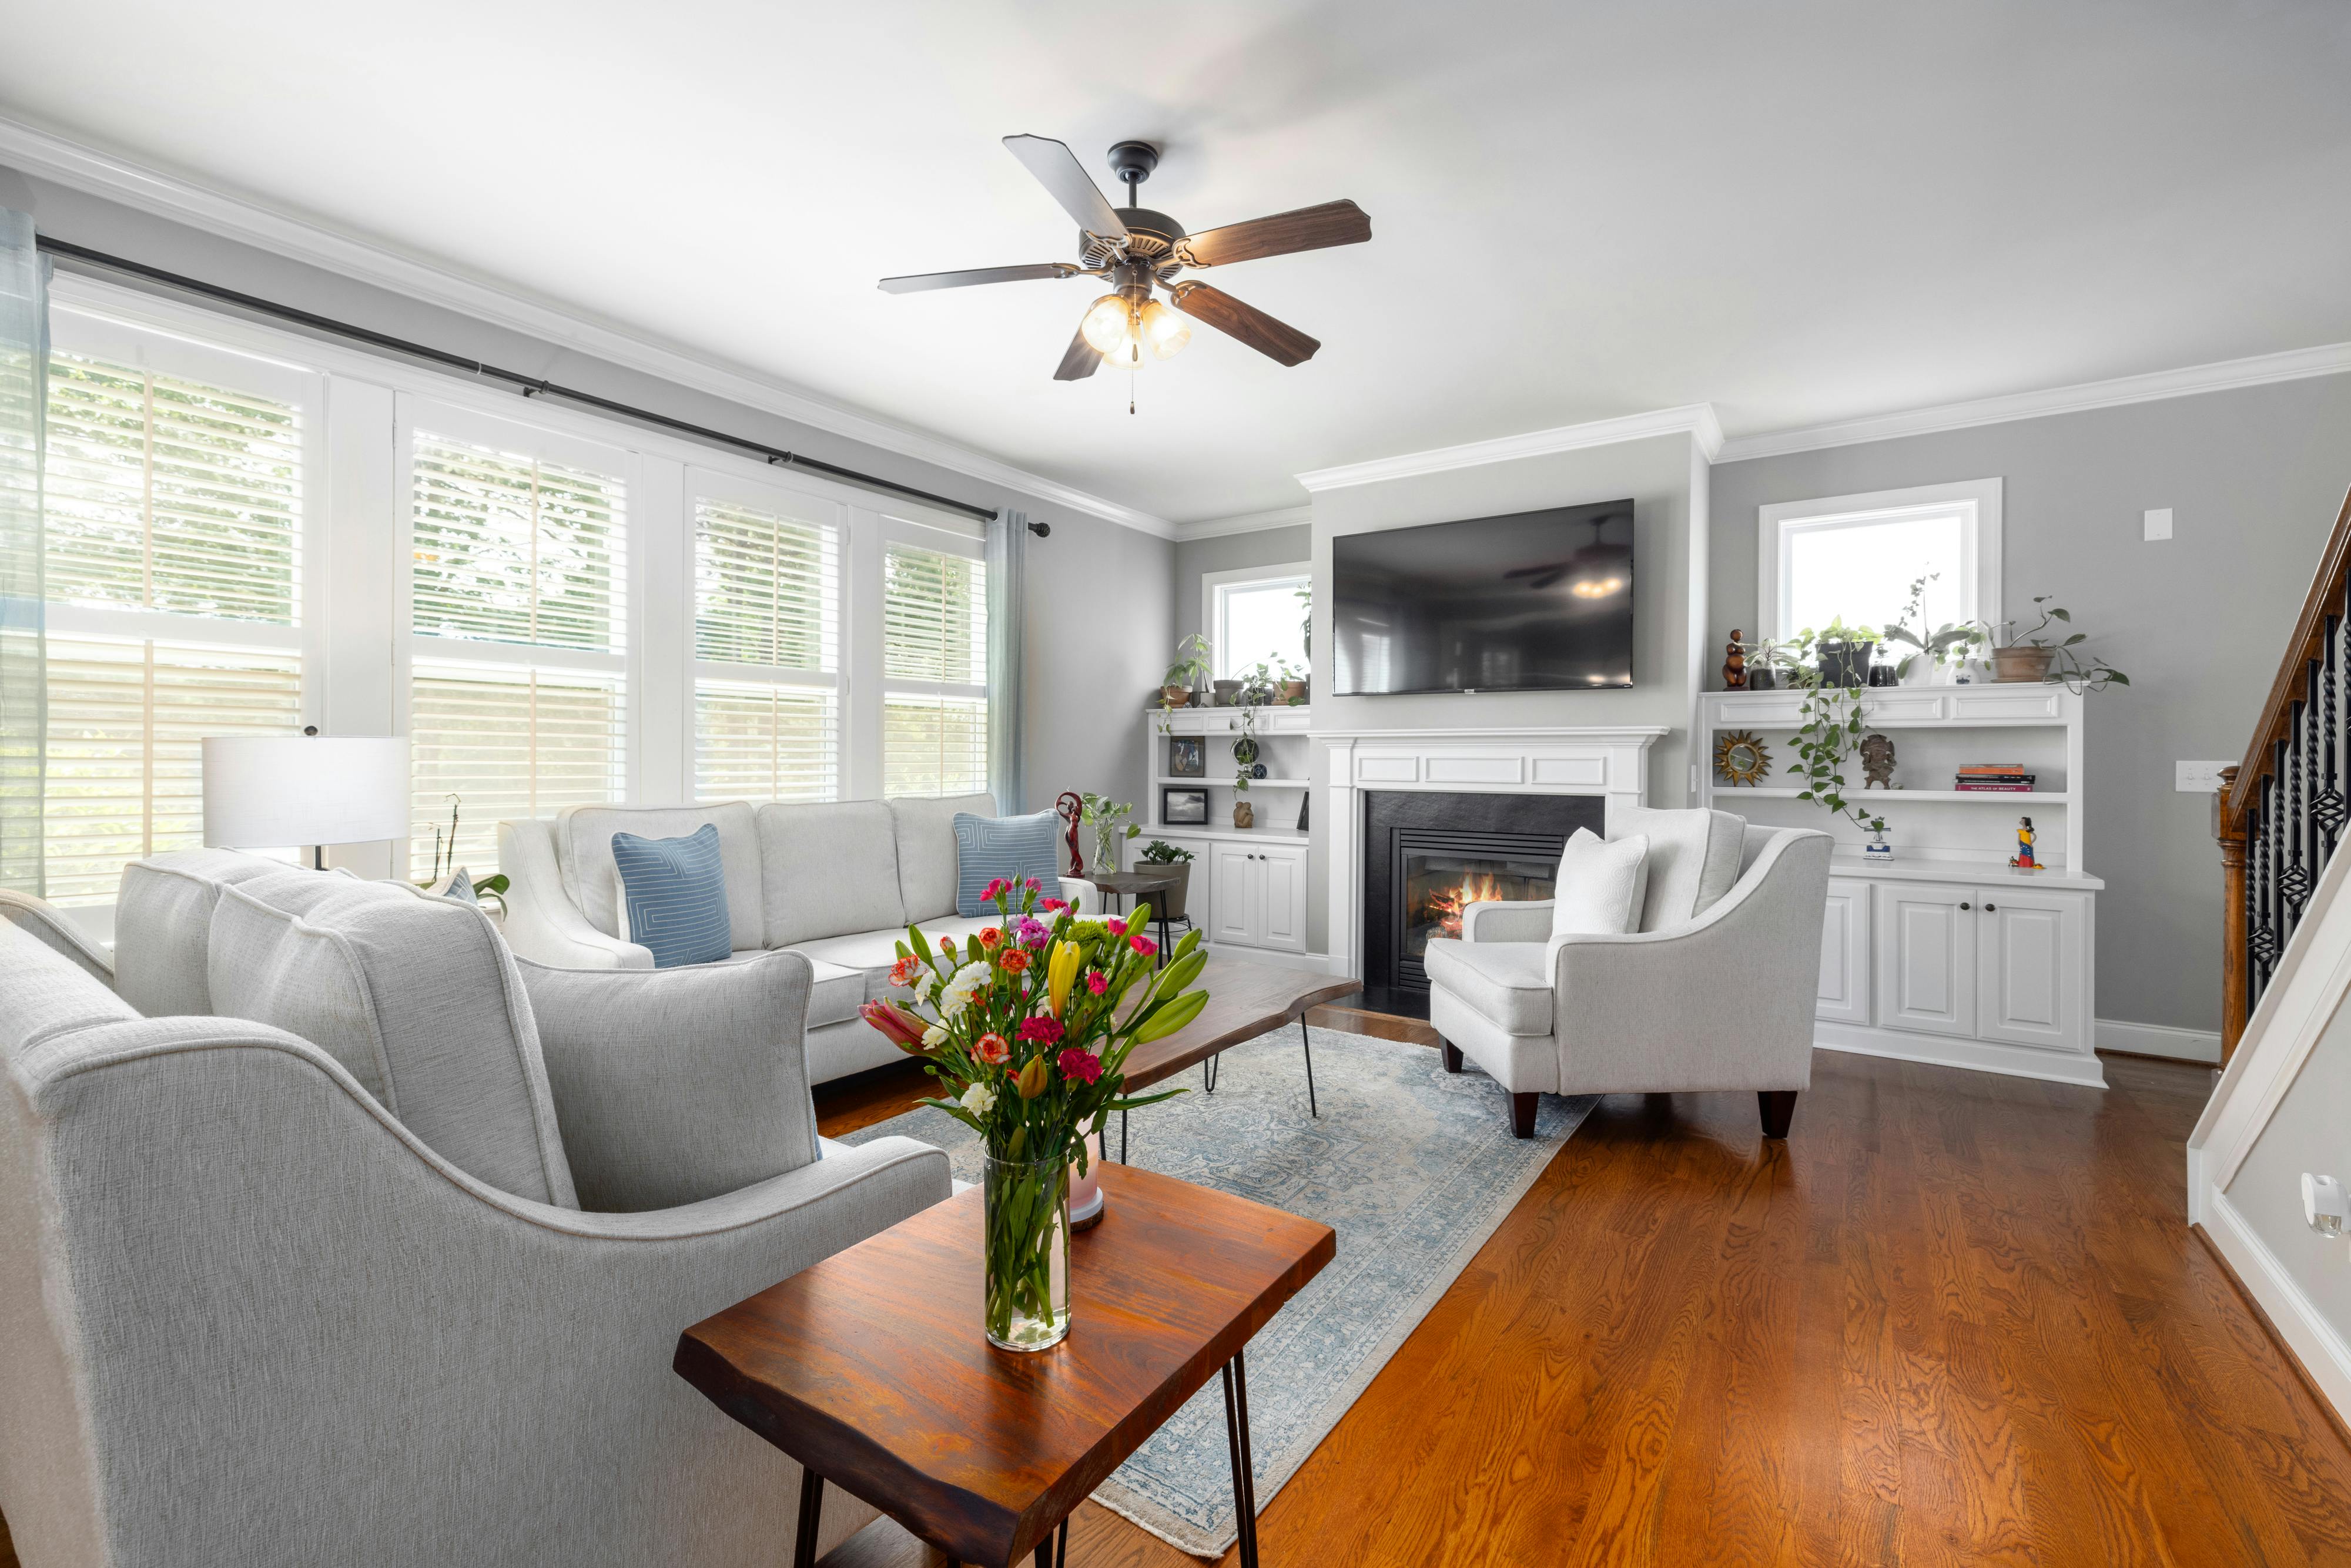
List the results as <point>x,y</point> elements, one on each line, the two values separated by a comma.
<point>1696,421</point>
<point>2295,364</point>
<point>83,168</point>
<point>1244,523</point>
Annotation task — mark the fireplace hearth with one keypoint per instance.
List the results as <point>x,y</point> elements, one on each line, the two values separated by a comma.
<point>1428,855</point>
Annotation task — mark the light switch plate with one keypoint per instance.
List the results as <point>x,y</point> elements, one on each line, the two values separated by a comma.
<point>2197,777</point>
<point>2158,524</point>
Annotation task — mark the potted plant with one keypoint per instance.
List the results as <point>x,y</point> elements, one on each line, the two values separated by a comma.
<point>1176,862</point>
<point>1290,681</point>
<point>1243,812</point>
<point>1765,660</point>
<point>1189,671</point>
<point>1945,648</point>
<point>1112,829</point>
<point>2028,656</point>
<point>1843,650</point>
<point>1260,685</point>
<point>1828,729</point>
<point>1027,1027</point>
<point>1229,693</point>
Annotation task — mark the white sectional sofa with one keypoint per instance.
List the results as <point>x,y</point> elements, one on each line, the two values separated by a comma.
<point>839,882</point>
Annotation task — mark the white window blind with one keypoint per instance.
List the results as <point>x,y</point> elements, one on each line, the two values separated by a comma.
<point>935,672</point>
<point>510,549</point>
<point>173,532</point>
<point>766,634</point>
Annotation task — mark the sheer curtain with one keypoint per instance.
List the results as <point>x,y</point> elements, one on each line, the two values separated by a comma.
<point>1007,569</point>
<point>24,685</point>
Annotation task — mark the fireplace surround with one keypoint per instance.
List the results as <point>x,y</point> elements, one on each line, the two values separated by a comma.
<point>1426,853</point>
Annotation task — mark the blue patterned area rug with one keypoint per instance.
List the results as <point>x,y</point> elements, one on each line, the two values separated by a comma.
<point>1413,1167</point>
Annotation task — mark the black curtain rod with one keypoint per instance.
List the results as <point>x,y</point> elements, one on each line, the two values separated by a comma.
<point>531,386</point>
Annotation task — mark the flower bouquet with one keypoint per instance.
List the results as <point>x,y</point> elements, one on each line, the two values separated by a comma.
<point>1027,1027</point>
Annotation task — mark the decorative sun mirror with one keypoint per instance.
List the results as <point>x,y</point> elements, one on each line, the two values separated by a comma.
<point>1739,758</point>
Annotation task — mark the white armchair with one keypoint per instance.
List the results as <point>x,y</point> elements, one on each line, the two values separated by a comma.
<point>1723,1002</point>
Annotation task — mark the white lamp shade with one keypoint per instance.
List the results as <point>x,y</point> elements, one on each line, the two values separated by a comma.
<point>268,791</point>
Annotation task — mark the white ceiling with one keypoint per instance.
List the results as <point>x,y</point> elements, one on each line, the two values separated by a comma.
<point>1799,212</point>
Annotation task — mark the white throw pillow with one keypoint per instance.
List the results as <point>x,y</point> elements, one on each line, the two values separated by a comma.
<point>1602,884</point>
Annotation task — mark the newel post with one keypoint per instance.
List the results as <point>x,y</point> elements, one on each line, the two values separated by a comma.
<point>2229,827</point>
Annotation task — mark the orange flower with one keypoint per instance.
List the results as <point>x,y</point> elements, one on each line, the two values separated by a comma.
<point>994,1050</point>
<point>1013,961</point>
<point>990,937</point>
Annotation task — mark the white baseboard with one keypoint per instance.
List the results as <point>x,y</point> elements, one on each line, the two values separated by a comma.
<point>1975,1055</point>
<point>2314,1340</point>
<point>2159,1039</point>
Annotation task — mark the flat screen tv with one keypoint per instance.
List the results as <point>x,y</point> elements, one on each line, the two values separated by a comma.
<point>1535,601</point>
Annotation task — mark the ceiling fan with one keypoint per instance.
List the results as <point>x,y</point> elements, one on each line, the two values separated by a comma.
<point>1136,250</point>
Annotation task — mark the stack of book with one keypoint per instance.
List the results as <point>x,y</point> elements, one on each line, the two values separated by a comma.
<point>1995,778</point>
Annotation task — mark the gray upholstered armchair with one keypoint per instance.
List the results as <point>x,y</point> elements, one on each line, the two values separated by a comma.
<point>1723,1000</point>
<point>274,1298</point>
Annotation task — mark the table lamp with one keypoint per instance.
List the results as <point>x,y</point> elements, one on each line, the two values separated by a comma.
<point>264,790</point>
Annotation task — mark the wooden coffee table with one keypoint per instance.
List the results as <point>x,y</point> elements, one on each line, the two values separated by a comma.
<point>870,1367</point>
<point>1245,1000</point>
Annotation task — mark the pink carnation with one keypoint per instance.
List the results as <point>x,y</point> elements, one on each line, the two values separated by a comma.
<point>1096,984</point>
<point>989,894</point>
<point>1052,905</point>
<point>1117,926</point>
<point>1082,1065</point>
<point>1033,885</point>
<point>1143,945</point>
<point>1043,1030</point>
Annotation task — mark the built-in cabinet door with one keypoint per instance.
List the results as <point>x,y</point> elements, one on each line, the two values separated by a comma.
<point>1926,942</point>
<point>2030,976</point>
<point>1282,873</point>
<point>1845,953</point>
<point>1237,895</point>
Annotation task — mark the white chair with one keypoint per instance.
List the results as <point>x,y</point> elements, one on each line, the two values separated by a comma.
<point>1720,1000</point>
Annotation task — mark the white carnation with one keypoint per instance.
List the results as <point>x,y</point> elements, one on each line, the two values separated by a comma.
<point>979,1099</point>
<point>968,981</point>
<point>933,1037</point>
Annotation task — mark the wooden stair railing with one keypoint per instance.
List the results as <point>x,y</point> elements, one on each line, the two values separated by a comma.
<point>2279,812</point>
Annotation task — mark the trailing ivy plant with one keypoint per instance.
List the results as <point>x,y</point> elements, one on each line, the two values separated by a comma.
<point>1828,732</point>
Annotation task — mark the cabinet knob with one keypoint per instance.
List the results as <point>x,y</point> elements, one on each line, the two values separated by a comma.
<point>1991,908</point>
<point>1965,904</point>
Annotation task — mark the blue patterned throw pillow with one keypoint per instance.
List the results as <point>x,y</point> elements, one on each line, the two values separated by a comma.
<point>675,892</point>
<point>1010,847</point>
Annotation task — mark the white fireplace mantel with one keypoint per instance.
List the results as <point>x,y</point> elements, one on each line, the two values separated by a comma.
<point>1610,761</point>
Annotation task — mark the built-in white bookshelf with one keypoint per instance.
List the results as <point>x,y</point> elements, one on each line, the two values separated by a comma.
<point>1248,885</point>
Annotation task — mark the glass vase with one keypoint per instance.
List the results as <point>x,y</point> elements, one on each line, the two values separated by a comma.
<point>1026,1252</point>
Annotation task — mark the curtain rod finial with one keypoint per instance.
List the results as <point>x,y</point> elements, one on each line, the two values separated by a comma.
<point>1043,530</point>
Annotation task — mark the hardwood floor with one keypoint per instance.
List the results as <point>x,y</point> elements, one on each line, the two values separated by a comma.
<point>1955,1318</point>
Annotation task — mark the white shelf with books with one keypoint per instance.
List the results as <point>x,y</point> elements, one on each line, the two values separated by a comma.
<point>1247,888</point>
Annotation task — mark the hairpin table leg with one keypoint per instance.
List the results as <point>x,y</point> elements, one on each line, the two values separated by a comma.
<point>1307,1040</point>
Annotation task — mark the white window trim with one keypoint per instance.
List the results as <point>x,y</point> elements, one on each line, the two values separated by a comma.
<point>1212,583</point>
<point>1978,501</point>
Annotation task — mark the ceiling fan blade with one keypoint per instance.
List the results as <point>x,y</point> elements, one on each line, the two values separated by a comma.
<point>1079,361</point>
<point>1274,339</point>
<point>915,283</point>
<point>1058,170</point>
<point>1307,228</point>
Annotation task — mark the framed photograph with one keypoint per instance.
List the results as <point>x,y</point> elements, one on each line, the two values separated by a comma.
<point>1182,805</point>
<point>1187,756</point>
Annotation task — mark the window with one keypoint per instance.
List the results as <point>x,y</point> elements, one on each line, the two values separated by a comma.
<point>933,671</point>
<point>1255,616</point>
<point>518,605</point>
<point>1855,557</point>
<point>767,648</point>
<point>173,491</point>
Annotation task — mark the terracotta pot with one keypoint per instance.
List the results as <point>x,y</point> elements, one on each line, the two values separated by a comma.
<point>2021,664</point>
<point>1176,697</point>
<point>1244,814</point>
<point>1294,690</point>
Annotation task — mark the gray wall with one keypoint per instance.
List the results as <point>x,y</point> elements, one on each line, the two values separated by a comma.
<point>1082,665</point>
<point>1194,559</point>
<point>1657,474</point>
<point>2304,1133</point>
<point>2254,478</point>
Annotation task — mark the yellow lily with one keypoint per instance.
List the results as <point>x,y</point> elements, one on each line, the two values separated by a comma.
<point>1061,973</point>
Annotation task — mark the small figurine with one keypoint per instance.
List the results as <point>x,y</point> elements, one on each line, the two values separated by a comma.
<point>2022,860</point>
<point>1734,664</point>
<point>1877,848</point>
<point>1877,762</point>
<point>1069,807</point>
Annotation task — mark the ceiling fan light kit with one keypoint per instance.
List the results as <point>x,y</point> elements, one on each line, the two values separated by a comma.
<point>1137,251</point>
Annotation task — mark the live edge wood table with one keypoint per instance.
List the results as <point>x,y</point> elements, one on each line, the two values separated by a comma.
<point>1245,1000</point>
<point>870,1368</point>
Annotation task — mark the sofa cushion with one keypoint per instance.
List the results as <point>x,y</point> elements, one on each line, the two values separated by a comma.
<point>417,998</point>
<point>583,843</point>
<point>871,953</point>
<point>46,994</point>
<point>836,992</point>
<point>1601,886</point>
<point>926,850</point>
<point>1508,983</point>
<point>827,870</point>
<point>163,920</point>
<point>1693,859</point>
<point>674,896</point>
<point>1014,849</point>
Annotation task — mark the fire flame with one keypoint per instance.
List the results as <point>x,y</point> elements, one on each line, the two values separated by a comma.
<point>1448,905</point>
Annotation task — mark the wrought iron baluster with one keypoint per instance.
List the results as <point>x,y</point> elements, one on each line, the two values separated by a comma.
<point>2265,939</point>
<point>2329,807</point>
<point>2306,745</point>
<point>2254,961</point>
<point>2294,882</point>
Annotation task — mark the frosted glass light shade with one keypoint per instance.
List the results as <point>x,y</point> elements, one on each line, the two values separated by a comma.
<point>264,791</point>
